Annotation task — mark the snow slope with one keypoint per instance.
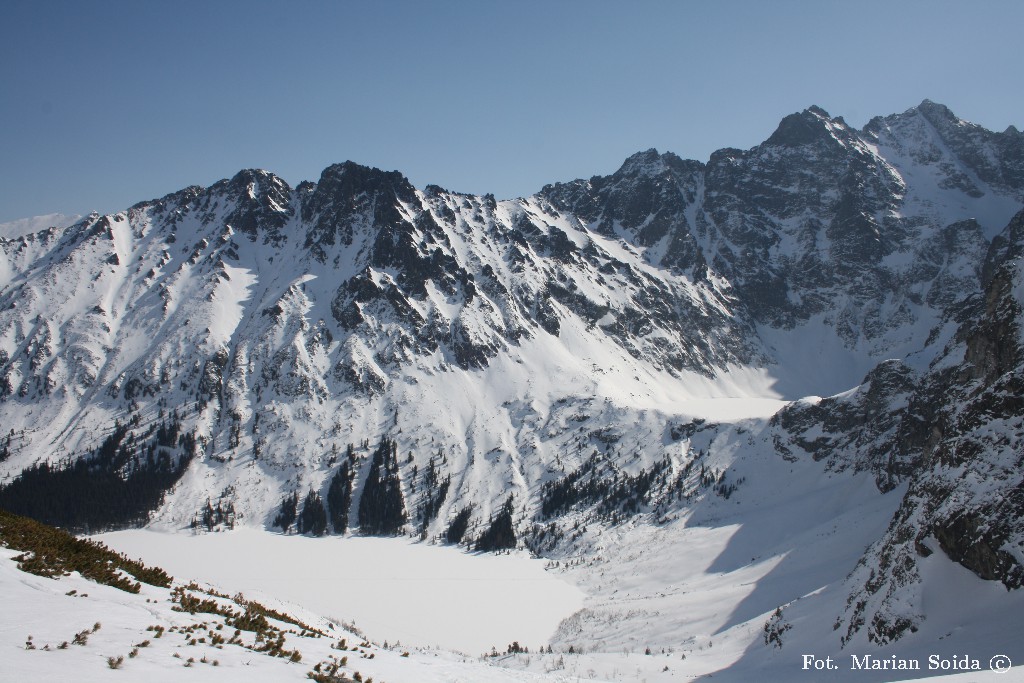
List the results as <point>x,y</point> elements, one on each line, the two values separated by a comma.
<point>40,614</point>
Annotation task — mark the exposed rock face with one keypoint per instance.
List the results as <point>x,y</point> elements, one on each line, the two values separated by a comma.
<point>646,200</point>
<point>959,439</point>
<point>813,222</point>
<point>853,430</point>
<point>994,158</point>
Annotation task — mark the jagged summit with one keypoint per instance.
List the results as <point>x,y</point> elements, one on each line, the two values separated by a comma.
<point>650,162</point>
<point>351,176</point>
<point>810,126</point>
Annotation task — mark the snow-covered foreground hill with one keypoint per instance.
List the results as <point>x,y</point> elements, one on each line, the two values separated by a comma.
<point>41,618</point>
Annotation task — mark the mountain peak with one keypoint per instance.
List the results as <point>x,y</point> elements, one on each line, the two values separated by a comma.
<point>649,162</point>
<point>817,111</point>
<point>640,160</point>
<point>933,111</point>
<point>249,174</point>
<point>809,126</point>
<point>258,183</point>
<point>351,176</point>
<point>347,189</point>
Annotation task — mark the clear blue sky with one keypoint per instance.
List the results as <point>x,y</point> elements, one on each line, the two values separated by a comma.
<point>103,104</point>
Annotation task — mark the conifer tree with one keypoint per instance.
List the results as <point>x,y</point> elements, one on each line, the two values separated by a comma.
<point>339,494</point>
<point>116,485</point>
<point>313,518</point>
<point>459,525</point>
<point>382,505</point>
<point>287,512</point>
<point>501,532</point>
<point>435,491</point>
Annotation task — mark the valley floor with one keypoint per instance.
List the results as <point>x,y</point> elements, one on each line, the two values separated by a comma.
<point>696,592</point>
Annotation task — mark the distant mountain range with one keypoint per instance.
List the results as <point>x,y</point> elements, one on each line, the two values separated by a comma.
<point>508,372</point>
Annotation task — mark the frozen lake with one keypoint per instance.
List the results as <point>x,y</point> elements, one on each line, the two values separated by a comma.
<point>391,588</point>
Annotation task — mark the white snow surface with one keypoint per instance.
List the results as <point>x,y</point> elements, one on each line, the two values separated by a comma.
<point>39,614</point>
<point>391,588</point>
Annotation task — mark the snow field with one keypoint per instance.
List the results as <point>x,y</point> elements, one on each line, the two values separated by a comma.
<point>391,588</point>
<point>40,614</point>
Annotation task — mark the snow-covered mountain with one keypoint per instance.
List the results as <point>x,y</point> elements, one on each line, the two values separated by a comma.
<point>553,370</point>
